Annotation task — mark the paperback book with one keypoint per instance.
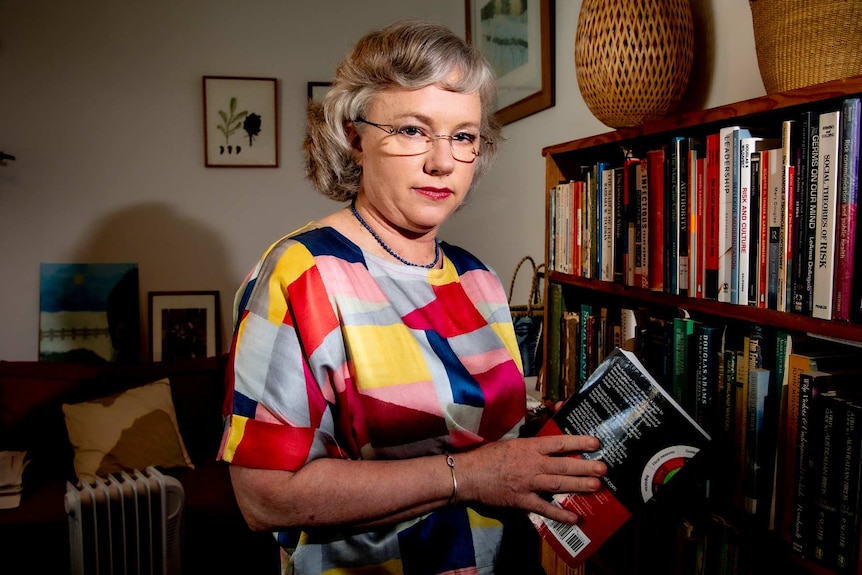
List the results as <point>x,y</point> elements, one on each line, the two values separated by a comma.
<point>646,439</point>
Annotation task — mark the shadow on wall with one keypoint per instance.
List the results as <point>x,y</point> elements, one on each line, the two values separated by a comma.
<point>699,85</point>
<point>173,253</point>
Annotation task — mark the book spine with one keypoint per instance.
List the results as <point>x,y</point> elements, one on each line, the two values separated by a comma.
<point>785,263</point>
<point>655,174</point>
<point>711,215</point>
<point>553,378</point>
<point>763,243</point>
<point>683,214</point>
<point>806,212</point>
<point>683,328</point>
<point>698,235</point>
<point>725,214</point>
<point>739,292</point>
<point>775,214</point>
<point>801,520</point>
<point>584,340</point>
<point>709,340</point>
<point>618,229</point>
<point>605,222</point>
<point>754,193</point>
<point>849,524</point>
<point>847,206</point>
<point>739,216</point>
<point>644,217</point>
<point>827,205</point>
<point>632,214</point>
<point>755,447</point>
<point>671,224</point>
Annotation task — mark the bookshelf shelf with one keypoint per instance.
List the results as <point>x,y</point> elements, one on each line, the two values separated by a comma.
<point>565,292</point>
<point>841,330</point>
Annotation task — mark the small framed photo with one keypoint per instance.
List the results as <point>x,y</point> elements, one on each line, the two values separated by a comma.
<point>184,325</point>
<point>240,122</point>
<point>317,90</point>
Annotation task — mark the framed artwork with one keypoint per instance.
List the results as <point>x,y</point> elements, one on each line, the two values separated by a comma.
<point>184,325</point>
<point>517,38</point>
<point>317,90</point>
<point>240,122</point>
<point>88,313</point>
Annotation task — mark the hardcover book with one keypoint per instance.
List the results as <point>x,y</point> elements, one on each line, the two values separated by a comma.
<point>646,439</point>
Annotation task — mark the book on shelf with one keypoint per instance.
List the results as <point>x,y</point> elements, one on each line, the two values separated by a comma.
<point>788,185</point>
<point>655,200</point>
<point>630,221</point>
<point>727,135</point>
<point>12,465</point>
<point>605,221</point>
<point>805,209</point>
<point>642,242</point>
<point>772,183</point>
<point>711,214</point>
<point>763,233</point>
<point>683,350</point>
<point>646,440</point>
<point>619,230</point>
<point>848,198</point>
<point>809,444</point>
<point>826,213</point>
<point>759,451</point>
<point>698,224</point>
<point>742,222</point>
<point>569,360</point>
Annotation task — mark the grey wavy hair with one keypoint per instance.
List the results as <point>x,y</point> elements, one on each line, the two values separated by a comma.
<point>410,54</point>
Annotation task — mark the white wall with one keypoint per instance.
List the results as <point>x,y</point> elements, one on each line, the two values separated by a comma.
<point>101,105</point>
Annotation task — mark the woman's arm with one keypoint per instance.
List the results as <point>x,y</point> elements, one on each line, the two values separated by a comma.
<point>349,493</point>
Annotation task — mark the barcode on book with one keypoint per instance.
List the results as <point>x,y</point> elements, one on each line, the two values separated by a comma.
<point>570,536</point>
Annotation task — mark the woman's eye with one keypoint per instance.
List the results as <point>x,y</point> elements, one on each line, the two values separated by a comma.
<point>464,137</point>
<point>411,131</point>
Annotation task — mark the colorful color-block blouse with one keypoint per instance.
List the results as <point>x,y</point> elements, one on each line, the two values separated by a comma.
<point>339,353</point>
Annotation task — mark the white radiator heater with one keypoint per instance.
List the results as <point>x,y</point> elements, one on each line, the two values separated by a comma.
<point>126,523</point>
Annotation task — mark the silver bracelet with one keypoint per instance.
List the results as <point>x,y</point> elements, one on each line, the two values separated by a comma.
<point>450,461</point>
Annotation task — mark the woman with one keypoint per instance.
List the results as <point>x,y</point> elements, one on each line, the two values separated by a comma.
<point>377,386</point>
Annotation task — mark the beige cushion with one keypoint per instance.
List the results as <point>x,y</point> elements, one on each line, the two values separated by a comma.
<point>131,430</point>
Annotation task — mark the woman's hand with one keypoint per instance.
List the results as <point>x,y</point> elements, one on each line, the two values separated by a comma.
<point>523,472</point>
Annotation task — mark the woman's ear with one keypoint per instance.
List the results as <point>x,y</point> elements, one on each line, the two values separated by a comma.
<point>355,142</point>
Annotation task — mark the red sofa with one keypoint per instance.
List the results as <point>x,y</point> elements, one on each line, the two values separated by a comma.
<point>34,536</point>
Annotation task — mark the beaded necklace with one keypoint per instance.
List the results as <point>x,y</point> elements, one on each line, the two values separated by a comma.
<point>389,250</point>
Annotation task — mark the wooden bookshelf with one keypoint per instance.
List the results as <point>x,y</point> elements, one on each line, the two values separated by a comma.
<point>566,160</point>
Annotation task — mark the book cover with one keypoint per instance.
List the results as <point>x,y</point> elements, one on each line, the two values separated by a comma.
<point>646,439</point>
<point>711,215</point>
<point>708,405</point>
<point>655,175</point>
<point>826,217</point>
<point>848,198</point>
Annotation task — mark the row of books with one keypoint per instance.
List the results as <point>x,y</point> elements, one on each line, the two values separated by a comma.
<point>745,216</point>
<point>783,411</point>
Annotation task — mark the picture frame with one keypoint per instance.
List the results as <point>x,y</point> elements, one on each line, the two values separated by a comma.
<point>184,325</point>
<point>523,62</point>
<point>240,122</point>
<point>317,90</point>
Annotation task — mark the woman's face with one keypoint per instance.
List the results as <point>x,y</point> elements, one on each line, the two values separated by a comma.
<point>414,194</point>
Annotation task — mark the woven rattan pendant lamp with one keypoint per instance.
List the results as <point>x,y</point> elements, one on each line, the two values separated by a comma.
<point>633,58</point>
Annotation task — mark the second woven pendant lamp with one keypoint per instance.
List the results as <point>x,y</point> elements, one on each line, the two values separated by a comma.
<point>633,58</point>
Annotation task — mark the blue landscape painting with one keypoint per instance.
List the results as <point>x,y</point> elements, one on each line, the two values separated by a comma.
<point>89,312</point>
